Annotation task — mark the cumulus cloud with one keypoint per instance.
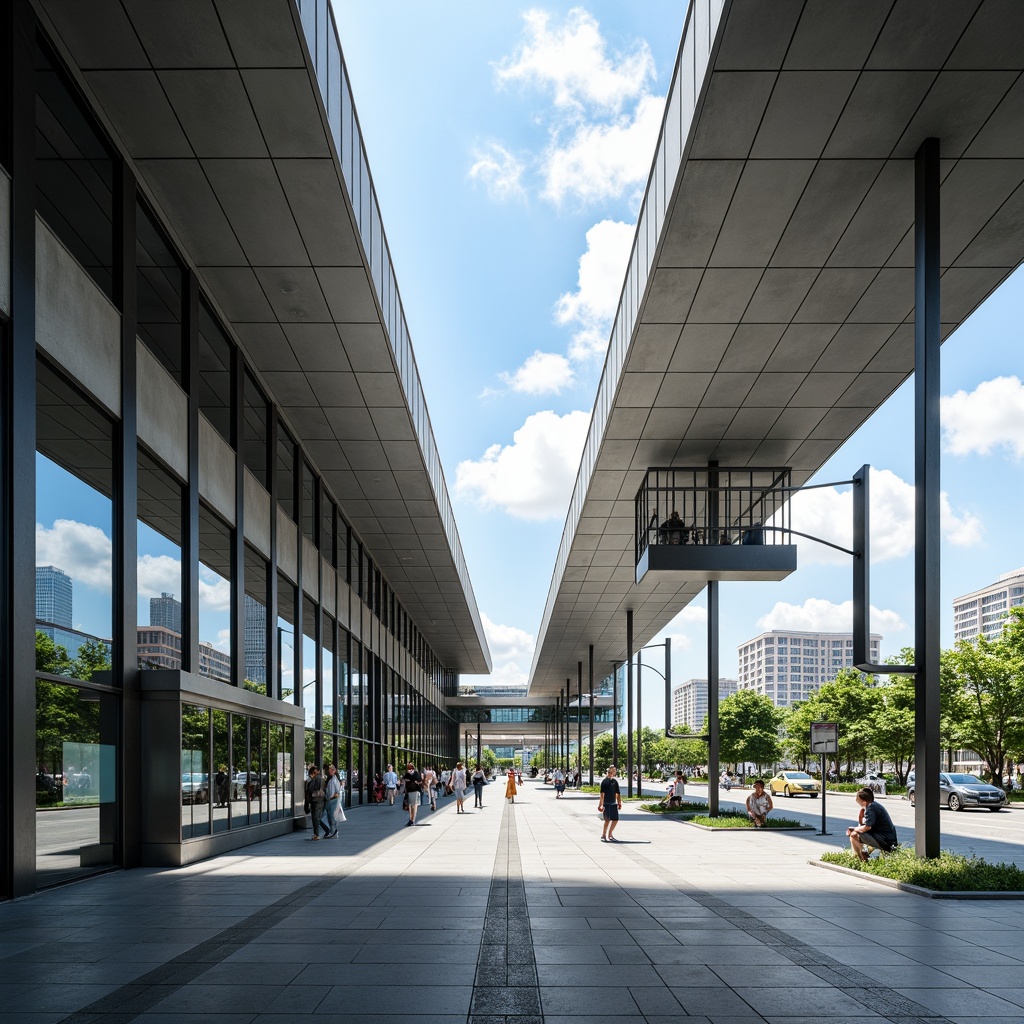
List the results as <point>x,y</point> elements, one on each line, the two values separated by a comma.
<point>214,591</point>
<point>84,552</point>
<point>817,615</point>
<point>532,478</point>
<point>572,61</point>
<point>598,161</point>
<point>591,308</point>
<point>511,654</point>
<point>543,373</point>
<point>499,171</point>
<point>159,574</point>
<point>828,513</point>
<point>987,418</point>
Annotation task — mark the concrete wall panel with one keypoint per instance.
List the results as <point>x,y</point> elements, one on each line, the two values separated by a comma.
<point>257,514</point>
<point>216,471</point>
<point>162,411</point>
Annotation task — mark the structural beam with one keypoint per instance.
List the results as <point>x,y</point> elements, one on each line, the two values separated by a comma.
<point>590,690</point>
<point>629,702</point>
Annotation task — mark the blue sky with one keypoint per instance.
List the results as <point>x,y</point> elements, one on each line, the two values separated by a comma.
<point>509,146</point>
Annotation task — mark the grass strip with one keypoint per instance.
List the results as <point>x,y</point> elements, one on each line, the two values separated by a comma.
<point>949,872</point>
<point>742,821</point>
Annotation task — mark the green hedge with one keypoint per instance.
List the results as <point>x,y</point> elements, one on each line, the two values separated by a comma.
<point>742,821</point>
<point>949,872</point>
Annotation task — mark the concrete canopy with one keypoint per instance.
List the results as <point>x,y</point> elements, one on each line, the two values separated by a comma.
<point>768,306</point>
<point>239,121</point>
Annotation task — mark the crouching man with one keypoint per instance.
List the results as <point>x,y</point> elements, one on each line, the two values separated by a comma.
<point>759,803</point>
<point>875,829</point>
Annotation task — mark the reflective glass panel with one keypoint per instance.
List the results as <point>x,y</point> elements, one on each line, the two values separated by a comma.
<point>256,432</point>
<point>256,572</point>
<point>158,293</point>
<point>286,472</point>
<point>214,596</point>
<point>222,783</point>
<point>285,638</point>
<point>215,389</point>
<point>195,771</point>
<point>240,771</point>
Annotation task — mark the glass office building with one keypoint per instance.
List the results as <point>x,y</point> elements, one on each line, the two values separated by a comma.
<point>208,391</point>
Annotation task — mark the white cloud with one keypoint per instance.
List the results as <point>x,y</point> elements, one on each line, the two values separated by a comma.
<point>680,641</point>
<point>499,171</point>
<point>592,306</point>
<point>84,552</point>
<point>532,478</point>
<point>817,615</point>
<point>511,654</point>
<point>214,591</point>
<point>989,417</point>
<point>159,574</point>
<point>604,161</point>
<point>543,373</point>
<point>828,513</point>
<point>223,641</point>
<point>572,61</point>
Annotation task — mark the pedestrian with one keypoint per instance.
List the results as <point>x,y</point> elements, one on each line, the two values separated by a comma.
<point>759,803</point>
<point>479,781</point>
<point>677,790</point>
<point>559,780</point>
<point>314,804</point>
<point>458,781</point>
<point>875,830</point>
<point>510,786</point>
<point>446,782</point>
<point>413,787</point>
<point>430,787</point>
<point>332,792</point>
<point>220,783</point>
<point>610,805</point>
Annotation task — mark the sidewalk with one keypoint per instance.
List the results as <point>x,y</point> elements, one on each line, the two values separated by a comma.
<point>510,914</point>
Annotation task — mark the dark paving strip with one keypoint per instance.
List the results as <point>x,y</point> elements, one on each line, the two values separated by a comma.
<point>505,987</point>
<point>126,1003</point>
<point>891,1005</point>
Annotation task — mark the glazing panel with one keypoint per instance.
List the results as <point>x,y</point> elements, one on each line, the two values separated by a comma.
<point>215,391</point>
<point>256,432</point>
<point>256,579</point>
<point>195,771</point>
<point>310,674</point>
<point>240,771</point>
<point>286,471</point>
<point>214,596</point>
<point>327,716</point>
<point>285,638</point>
<point>222,784</point>
<point>159,287</point>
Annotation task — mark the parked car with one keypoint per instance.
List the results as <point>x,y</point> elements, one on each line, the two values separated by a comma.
<point>958,791</point>
<point>794,784</point>
<point>195,788</point>
<point>874,782</point>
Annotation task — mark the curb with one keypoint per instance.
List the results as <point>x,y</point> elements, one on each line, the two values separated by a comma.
<point>918,890</point>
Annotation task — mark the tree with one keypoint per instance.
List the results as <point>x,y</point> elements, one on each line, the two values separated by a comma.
<point>93,657</point>
<point>892,733</point>
<point>847,700</point>
<point>990,674</point>
<point>488,759</point>
<point>748,728</point>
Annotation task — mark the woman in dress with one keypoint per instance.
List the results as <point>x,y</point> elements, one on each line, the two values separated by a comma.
<point>510,786</point>
<point>334,812</point>
<point>458,781</point>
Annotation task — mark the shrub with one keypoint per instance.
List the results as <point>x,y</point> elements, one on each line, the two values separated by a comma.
<point>949,872</point>
<point>742,821</point>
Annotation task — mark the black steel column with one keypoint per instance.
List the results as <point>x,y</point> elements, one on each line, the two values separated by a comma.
<point>590,687</point>
<point>712,591</point>
<point>579,716</point>
<point>479,745</point>
<point>190,531</point>
<point>629,701</point>
<point>121,823</point>
<point>18,713</point>
<point>615,714</point>
<point>926,512</point>
<point>272,638</point>
<point>639,727</point>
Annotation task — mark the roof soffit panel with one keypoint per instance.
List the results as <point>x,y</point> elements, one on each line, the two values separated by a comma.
<point>393,424</point>
<point>214,111</point>
<point>288,114</point>
<point>802,113</point>
<point>135,101</point>
<point>325,226</point>
<point>99,34</point>
<point>752,345</point>
<point>294,295</point>
<point>185,34</point>
<point>350,298</point>
<point>317,346</point>
<point>261,33</point>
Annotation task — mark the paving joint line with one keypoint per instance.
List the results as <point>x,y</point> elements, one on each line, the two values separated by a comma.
<point>506,989</point>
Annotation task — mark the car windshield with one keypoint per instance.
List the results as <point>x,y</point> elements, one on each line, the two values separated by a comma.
<point>797,775</point>
<point>966,780</point>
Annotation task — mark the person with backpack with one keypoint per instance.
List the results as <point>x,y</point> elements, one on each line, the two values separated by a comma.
<point>314,803</point>
<point>413,787</point>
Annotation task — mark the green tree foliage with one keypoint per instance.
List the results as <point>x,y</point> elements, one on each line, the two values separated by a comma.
<point>748,725</point>
<point>488,758</point>
<point>892,732</point>
<point>850,700</point>
<point>93,659</point>
<point>990,674</point>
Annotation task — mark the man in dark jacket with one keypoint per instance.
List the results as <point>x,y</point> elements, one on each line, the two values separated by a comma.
<point>413,786</point>
<point>315,801</point>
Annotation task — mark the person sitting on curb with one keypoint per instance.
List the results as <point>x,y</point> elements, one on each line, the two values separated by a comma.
<point>759,803</point>
<point>876,830</point>
<point>677,791</point>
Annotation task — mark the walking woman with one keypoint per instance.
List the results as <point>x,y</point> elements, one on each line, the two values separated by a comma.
<point>479,778</point>
<point>510,786</point>
<point>335,812</point>
<point>459,786</point>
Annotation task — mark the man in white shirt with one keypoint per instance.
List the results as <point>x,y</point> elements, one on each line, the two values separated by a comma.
<point>391,783</point>
<point>759,803</point>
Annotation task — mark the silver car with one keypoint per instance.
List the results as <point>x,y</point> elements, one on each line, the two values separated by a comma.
<point>958,791</point>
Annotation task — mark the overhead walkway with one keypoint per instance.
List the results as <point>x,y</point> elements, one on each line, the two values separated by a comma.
<point>511,914</point>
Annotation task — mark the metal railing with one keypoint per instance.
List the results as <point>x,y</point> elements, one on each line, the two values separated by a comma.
<point>713,506</point>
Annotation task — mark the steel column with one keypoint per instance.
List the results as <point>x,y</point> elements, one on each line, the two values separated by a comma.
<point>629,702</point>
<point>639,729</point>
<point>579,716</point>
<point>712,592</point>
<point>926,511</point>
<point>615,714</point>
<point>590,688</point>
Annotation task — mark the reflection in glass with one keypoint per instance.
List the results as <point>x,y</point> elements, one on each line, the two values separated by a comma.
<point>286,471</point>
<point>308,493</point>
<point>222,776</point>
<point>257,778</point>
<point>195,771</point>
<point>309,669</point>
<point>285,638</point>
<point>239,769</point>
<point>215,389</point>
<point>159,290</point>
<point>256,572</point>
<point>256,433</point>
<point>329,722</point>
<point>159,565</point>
<point>76,784</point>
<point>214,596</point>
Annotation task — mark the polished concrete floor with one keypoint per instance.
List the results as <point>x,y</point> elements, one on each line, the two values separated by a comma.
<point>513,913</point>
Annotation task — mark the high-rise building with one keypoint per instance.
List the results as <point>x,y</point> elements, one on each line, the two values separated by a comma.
<point>690,700</point>
<point>255,641</point>
<point>54,596</point>
<point>165,612</point>
<point>788,666</point>
<point>158,647</point>
<point>983,612</point>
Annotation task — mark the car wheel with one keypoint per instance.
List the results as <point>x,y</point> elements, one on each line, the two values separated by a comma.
<point>814,796</point>
<point>995,809</point>
<point>786,792</point>
<point>955,803</point>
<point>912,797</point>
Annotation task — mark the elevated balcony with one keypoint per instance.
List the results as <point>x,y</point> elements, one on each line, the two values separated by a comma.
<point>713,523</point>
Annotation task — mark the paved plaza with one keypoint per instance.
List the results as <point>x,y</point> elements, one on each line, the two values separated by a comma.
<point>514,913</point>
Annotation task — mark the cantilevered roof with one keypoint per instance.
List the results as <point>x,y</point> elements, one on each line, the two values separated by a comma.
<point>768,306</point>
<point>240,122</point>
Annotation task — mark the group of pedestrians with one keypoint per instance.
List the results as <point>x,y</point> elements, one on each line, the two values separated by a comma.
<point>323,801</point>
